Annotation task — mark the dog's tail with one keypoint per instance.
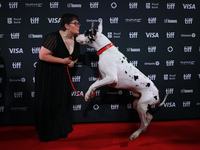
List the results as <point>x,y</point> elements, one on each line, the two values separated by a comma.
<point>161,104</point>
<point>158,106</point>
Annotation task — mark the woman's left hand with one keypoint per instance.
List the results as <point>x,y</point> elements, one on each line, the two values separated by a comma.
<point>71,64</point>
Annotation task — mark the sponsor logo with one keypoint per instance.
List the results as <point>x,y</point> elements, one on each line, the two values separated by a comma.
<point>94,63</point>
<point>113,5</point>
<point>54,20</point>
<point>170,21</point>
<point>73,93</point>
<point>71,5</point>
<point>187,91</point>
<point>14,20</point>
<point>114,35</point>
<point>115,93</point>
<point>189,6</point>
<point>129,49</point>
<point>18,94</point>
<point>169,76</point>
<point>170,90</point>
<point>192,35</point>
<point>92,79</point>
<point>187,63</point>
<point>156,63</point>
<point>95,106</point>
<point>18,108</point>
<point>152,5</point>
<point>170,104</point>
<point>33,5</point>
<point>35,36</point>
<point>16,50</point>
<point>152,34</point>
<point>131,20</point>
<point>94,20</point>
<point>187,49</point>
<point>16,65</point>
<point>1,108</point>
<point>18,80</point>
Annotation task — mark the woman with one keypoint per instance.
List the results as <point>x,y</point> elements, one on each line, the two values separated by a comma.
<point>52,85</point>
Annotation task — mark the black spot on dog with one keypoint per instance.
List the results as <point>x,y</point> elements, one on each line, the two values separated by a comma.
<point>148,85</point>
<point>126,72</point>
<point>127,60</point>
<point>123,57</point>
<point>155,97</point>
<point>135,78</point>
<point>122,61</point>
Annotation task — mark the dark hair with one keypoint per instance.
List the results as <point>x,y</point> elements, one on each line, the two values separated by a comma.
<point>66,19</point>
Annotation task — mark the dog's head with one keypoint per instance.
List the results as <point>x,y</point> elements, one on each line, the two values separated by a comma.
<point>90,35</point>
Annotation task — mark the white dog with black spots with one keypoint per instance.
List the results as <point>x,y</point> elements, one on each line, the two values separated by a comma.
<point>116,71</point>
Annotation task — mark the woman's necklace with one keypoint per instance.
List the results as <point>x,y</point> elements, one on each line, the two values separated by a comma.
<point>68,41</point>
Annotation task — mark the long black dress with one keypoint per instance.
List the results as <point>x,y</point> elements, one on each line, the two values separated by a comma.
<point>52,92</point>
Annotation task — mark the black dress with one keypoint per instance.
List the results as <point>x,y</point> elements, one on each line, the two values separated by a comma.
<point>53,91</point>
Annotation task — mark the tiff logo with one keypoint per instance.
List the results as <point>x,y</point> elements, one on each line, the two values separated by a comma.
<point>152,20</point>
<point>14,36</point>
<point>170,5</point>
<point>187,76</point>
<point>13,5</point>
<point>94,4</point>
<point>186,103</point>
<point>151,49</point>
<point>169,62</point>
<point>76,79</point>
<point>135,63</point>
<point>170,90</point>
<point>188,20</point>
<point>77,107</point>
<point>133,5</point>
<point>16,65</point>
<point>152,77</point>
<point>187,49</point>
<point>53,4</point>
<point>34,20</point>
<point>94,63</point>
<point>133,34</point>
<point>114,20</point>
<point>170,35</point>
<point>18,94</point>
<point>1,108</point>
<point>114,106</point>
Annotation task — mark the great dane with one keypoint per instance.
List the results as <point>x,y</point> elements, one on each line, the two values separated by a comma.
<point>116,71</point>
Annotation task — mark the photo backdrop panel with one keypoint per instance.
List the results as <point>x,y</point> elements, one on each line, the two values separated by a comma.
<point>159,38</point>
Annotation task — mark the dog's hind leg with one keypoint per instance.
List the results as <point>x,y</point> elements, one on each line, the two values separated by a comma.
<point>144,118</point>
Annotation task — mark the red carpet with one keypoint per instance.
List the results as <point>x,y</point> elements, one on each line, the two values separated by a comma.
<point>167,135</point>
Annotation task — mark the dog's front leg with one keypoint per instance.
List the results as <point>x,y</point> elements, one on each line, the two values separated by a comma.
<point>105,81</point>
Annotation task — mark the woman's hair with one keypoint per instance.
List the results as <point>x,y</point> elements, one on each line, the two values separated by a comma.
<point>66,19</point>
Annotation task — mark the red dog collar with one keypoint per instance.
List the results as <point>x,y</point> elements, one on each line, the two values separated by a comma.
<point>105,48</point>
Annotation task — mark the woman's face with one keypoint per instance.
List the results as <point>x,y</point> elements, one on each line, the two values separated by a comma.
<point>74,27</point>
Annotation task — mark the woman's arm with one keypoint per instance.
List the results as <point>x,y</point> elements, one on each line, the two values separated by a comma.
<point>46,55</point>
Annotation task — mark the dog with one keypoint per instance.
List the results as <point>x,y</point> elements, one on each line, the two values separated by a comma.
<point>116,71</point>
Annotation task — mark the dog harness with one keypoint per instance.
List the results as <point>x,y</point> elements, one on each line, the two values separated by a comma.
<point>105,48</point>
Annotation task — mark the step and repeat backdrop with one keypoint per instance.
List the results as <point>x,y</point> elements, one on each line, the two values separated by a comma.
<point>161,38</point>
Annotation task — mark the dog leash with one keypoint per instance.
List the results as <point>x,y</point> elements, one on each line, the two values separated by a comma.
<point>73,84</point>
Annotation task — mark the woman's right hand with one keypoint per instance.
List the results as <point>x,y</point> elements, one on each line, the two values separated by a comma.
<point>66,61</point>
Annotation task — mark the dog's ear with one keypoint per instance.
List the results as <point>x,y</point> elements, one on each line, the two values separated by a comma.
<point>100,27</point>
<point>93,29</point>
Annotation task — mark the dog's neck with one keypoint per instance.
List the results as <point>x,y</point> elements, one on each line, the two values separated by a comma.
<point>100,42</point>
